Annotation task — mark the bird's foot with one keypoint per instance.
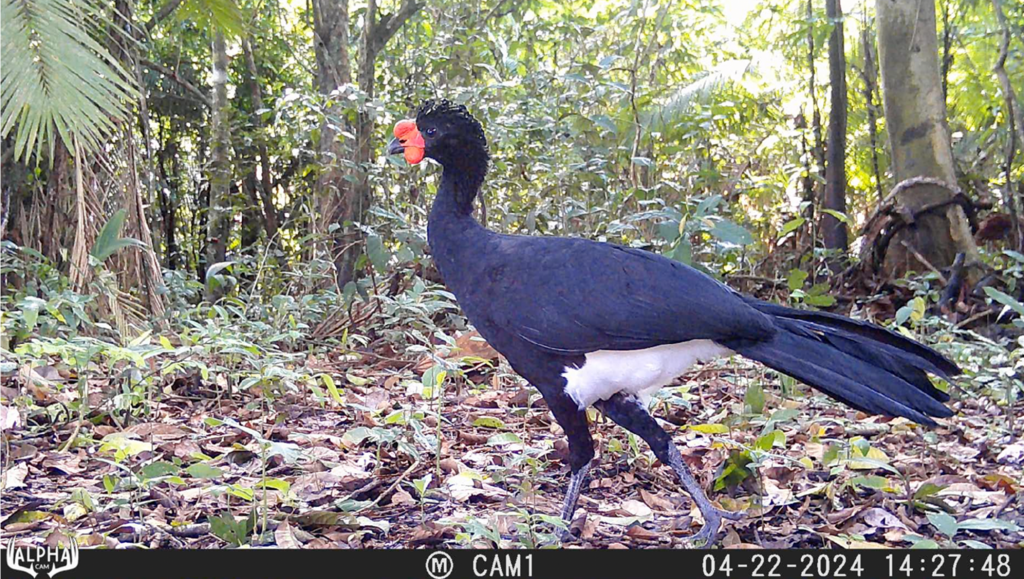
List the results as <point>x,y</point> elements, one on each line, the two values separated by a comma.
<point>565,535</point>
<point>708,534</point>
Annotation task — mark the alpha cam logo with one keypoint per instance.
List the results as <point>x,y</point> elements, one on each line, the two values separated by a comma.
<point>42,560</point>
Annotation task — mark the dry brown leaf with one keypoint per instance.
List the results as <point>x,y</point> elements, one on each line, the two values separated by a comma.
<point>401,497</point>
<point>471,345</point>
<point>472,439</point>
<point>463,488</point>
<point>157,430</point>
<point>638,532</point>
<point>882,519</point>
<point>13,478</point>
<point>1012,454</point>
<point>10,418</point>
<point>449,465</point>
<point>285,537</point>
<point>69,464</point>
<point>655,502</point>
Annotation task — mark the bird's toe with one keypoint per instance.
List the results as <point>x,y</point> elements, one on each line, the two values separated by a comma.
<point>733,515</point>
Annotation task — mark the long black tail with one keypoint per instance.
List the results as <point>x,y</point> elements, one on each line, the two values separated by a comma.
<point>868,367</point>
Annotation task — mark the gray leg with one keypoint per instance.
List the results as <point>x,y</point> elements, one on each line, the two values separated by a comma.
<point>627,412</point>
<point>581,450</point>
<point>572,494</point>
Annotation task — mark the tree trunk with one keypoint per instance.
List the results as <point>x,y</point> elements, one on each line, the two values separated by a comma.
<point>219,221</point>
<point>948,30</point>
<point>1015,124</point>
<point>811,188</point>
<point>349,200</point>
<point>915,114</point>
<point>266,194</point>
<point>869,75</point>
<point>833,231</point>
<point>139,194</point>
<point>330,40</point>
<point>167,194</point>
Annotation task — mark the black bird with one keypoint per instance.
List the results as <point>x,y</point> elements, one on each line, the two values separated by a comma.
<point>595,324</point>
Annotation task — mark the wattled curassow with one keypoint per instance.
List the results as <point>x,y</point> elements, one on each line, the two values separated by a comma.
<point>596,324</point>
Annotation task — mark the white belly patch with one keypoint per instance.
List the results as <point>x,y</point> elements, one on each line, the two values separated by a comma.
<point>638,372</point>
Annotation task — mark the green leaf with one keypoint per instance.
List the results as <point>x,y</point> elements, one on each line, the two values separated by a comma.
<point>903,314</point>
<point>59,82</point>
<point>945,523</point>
<point>332,388</point>
<point>987,525</point>
<point>680,104</point>
<point>927,490</point>
<point>107,243</point>
<point>222,15</point>
<point>709,428</point>
<point>831,454</point>
<point>123,446</point>
<point>504,438</point>
<point>378,254</point>
<point>796,279</point>
<point>108,235</point>
<point>232,531</point>
<point>730,232</point>
<point>682,252</point>
<point>489,422</point>
<point>668,230</point>
<point>605,122</point>
<point>1004,299</point>
<point>735,470</point>
<point>356,436</point>
<point>820,300</point>
<point>432,380</point>
<point>203,470</point>
<point>30,310</point>
<point>217,268</point>
<point>1014,254</point>
<point>157,469</point>
<point>791,226</point>
<point>842,217</point>
<point>754,398</point>
<point>771,439</point>
<point>277,484</point>
<point>781,415</point>
<point>871,481</point>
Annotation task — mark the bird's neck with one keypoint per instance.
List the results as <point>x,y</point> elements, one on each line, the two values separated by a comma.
<point>451,228</point>
<point>460,184</point>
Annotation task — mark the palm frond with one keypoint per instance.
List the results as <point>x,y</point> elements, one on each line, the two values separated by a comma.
<point>700,90</point>
<point>58,81</point>
<point>221,15</point>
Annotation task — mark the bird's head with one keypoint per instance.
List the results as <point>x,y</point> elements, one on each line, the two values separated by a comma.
<point>443,131</point>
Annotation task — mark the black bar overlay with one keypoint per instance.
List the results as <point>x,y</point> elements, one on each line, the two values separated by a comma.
<point>540,564</point>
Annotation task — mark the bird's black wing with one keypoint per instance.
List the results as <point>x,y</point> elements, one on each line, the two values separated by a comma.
<point>577,296</point>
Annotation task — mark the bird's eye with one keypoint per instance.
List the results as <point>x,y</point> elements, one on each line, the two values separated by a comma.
<point>431,132</point>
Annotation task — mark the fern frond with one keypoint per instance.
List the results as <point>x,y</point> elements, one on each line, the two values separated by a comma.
<point>58,81</point>
<point>700,90</point>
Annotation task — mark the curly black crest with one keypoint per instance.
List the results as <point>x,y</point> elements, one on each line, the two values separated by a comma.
<point>456,117</point>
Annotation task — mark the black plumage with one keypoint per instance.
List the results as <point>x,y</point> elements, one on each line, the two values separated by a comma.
<point>546,303</point>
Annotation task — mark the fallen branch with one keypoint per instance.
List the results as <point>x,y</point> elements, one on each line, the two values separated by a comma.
<point>387,492</point>
<point>917,254</point>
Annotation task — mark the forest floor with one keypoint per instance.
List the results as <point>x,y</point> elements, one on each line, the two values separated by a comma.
<point>372,466</point>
